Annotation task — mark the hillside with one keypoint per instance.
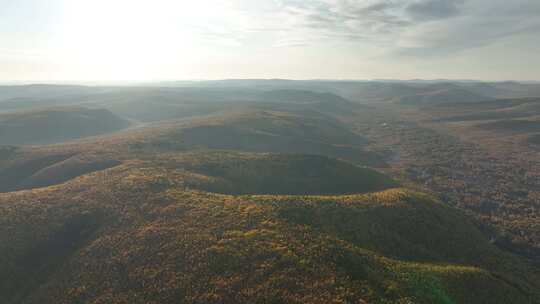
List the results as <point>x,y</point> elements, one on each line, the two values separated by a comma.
<point>269,131</point>
<point>248,131</point>
<point>300,96</point>
<point>52,125</point>
<point>273,193</point>
<point>45,170</point>
<point>135,102</point>
<point>42,91</point>
<point>487,110</point>
<point>511,125</point>
<point>445,95</point>
<point>479,156</point>
<point>151,104</point>
<point>173,103</point>
<point>240,173</point>
<point>136,233</point>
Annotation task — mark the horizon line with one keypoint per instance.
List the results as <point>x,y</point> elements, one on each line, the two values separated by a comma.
<point>195,80</point>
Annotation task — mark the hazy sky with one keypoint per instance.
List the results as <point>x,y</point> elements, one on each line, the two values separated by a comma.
<point>173,39</point>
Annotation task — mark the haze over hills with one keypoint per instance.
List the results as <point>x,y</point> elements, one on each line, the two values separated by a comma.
<point>246,191</point>
<point>251,90</point>
<point>52,125</point>
<point>441,96</point>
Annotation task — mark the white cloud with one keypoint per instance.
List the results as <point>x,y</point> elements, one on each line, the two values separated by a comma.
<point>405,25</point>
<point>164,38</point>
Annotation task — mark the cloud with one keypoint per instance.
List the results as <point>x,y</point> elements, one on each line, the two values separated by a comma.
<point>433,9</point>
<point>481,23</point>
<point>402,26</point>
<point>412,27</point>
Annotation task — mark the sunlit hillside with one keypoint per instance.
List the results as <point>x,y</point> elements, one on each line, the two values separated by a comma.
<point>139,232</point>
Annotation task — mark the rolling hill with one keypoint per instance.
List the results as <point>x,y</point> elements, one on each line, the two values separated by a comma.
<point>268,131</point>
<point>173,103</point>
<point>233,173</point>
<point>46,169</point>
<point>152,104</point>
<point>53,125</point>
<point>511,125</point>
<point>264,193</point>
<point>487,110</point>
<point>445,95</point>
<point>139,233</point>
<point>43,91</point>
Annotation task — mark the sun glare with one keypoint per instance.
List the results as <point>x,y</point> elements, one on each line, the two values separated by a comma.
<point>127,39</point>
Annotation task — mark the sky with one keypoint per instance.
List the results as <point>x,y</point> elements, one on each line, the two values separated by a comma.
<point>153,40</point>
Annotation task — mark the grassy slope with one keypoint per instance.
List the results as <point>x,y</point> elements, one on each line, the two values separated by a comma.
<point>135,234</point>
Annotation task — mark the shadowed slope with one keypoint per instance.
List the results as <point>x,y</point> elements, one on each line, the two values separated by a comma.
<point>234,173</point>
<point>30,172</point>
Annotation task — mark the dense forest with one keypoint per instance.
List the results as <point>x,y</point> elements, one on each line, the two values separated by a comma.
<point>279,192</point>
